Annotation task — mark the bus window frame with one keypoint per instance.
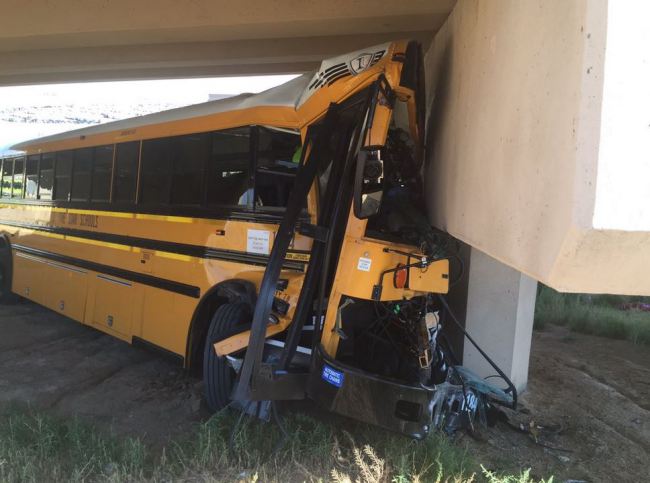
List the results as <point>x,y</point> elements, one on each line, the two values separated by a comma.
<point>59,175</point>
<point>266,209</point>
<point>21,194</point>
<point>140,189</point>
<point>123,205</point>
<point>38,162</point>
<point>73,171</point>
<point>92,194</point>
<point>2,173</point>
<point>51,199</point>
<point>250,186</point>
<point>204,210</point>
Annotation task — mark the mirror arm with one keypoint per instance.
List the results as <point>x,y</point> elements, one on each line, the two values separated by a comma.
<point>409,255</point>
<point>381,86</point>
<point>358,182</point>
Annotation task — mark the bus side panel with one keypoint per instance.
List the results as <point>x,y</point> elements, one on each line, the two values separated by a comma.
<point>166,319</point>
<point>29,278</point>
<point>68,291</point>
<point>114,305</point>
<point>57,286</point>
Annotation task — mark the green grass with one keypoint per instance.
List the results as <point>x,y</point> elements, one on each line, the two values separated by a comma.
<point>593,314</point>
<point>36,447</point>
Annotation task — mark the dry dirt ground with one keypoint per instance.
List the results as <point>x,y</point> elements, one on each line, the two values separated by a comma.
<point>589,397</point>
<point>53,363</point>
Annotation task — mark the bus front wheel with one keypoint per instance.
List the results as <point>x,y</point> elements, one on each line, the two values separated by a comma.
<point>218,376</point>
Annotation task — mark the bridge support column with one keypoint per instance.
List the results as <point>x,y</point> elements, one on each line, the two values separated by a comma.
<point>500,311</point>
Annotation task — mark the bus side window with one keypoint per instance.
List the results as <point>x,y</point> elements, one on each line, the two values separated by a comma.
<point>7,170</point>
<point>156,175</point>
<point>191,155</point>
<point>83,159</point>
<point>46,177</point>
<point>228,178</point>
<point>19,176</point>
<point>126,172</point>
<point>278,156</point>
<point>62,175</point>
<point>31,177</point>
<point>102,174</point>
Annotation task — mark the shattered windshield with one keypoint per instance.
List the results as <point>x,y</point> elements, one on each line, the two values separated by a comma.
<point>401,217</point>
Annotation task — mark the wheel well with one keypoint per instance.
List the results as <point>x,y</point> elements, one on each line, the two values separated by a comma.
<point>6,262</point>
<point>5,253</point>
<point>229,291</point>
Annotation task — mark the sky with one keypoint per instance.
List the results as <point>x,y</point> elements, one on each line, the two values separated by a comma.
<point>27,112</point>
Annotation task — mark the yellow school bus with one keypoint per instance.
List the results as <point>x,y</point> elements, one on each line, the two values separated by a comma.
<point>274,243</point>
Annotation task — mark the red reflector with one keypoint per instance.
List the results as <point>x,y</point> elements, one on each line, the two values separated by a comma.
<point>401,276</point>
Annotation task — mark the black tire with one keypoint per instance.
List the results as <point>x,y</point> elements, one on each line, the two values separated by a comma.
<point>6,295</point>
<point>218,376</point>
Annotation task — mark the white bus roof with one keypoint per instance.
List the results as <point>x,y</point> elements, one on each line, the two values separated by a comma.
<point>291,94</point>
<point>287,95</point>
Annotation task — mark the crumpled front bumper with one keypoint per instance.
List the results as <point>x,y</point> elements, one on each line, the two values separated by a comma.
<point>461,402</point>
<point>357,394</point>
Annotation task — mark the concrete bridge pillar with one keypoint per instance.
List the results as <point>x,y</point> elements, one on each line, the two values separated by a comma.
<point>499,317</point>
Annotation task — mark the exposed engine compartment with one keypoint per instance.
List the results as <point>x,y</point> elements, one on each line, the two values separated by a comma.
<point>403,341</point>
<point>394,339</point>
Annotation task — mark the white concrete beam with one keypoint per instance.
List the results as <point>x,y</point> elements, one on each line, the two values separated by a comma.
<point>539,138</point>
<point>189,59</point>
<point>73,23</point>
<point>76,40</point>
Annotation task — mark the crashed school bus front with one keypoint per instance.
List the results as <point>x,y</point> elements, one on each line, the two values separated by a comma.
<point>275,243</point>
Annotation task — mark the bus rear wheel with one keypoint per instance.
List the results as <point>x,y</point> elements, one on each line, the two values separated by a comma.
<point>6,295</point>
<point>218,376</point>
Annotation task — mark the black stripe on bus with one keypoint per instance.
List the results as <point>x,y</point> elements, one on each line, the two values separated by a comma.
<point>197,251</point>
<point>161,283</point>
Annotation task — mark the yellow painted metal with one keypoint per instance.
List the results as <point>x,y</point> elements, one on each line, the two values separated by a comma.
<point>160,317</point>
<point>126,309</point>
<point>240,341</point>
<point>361,264</point>
<point>165,319</point>
<point>434,278</point>
<point>109,315</point>
<point>29,278</point>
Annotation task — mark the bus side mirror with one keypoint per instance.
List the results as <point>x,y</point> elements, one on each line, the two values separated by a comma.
<point>368,184</point>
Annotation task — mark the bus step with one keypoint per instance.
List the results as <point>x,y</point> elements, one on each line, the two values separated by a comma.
<point>278,343</point>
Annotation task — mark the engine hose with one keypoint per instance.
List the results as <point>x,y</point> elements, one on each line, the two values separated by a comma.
<point>511,386</point>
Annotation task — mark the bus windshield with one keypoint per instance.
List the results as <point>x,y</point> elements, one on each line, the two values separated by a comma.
<point>401,216</point>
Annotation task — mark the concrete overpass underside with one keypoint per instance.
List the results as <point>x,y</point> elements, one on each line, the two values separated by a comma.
<point>77,40</point>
